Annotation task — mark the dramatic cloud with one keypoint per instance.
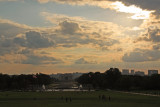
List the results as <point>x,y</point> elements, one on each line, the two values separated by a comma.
<point>79,35</point>
<point>26,44</point>
<point>73,31</point>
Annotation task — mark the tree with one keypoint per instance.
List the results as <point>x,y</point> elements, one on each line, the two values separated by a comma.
<point>125,83</point>
<point>112,75</point>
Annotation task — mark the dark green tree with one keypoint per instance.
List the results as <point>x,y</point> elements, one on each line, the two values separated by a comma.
<point>112,76</point>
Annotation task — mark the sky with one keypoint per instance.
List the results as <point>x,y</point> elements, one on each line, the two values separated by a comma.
<point>65,36</point>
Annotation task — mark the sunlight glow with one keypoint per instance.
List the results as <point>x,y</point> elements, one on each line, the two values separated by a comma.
<point>138,12</point>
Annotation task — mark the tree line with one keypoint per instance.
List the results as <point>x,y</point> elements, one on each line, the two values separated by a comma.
<point>112,79</point>
<point>23,82</point>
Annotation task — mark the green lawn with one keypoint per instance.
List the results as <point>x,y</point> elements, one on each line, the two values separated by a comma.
<point>79,99</point>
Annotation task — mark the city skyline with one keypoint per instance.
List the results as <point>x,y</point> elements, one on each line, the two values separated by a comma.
<point>61,36</point>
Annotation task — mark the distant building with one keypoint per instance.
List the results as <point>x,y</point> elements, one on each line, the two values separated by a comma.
<point>132,72</point>
<point>76,75</point>
<point>140,73</point>
<point>66,76</point>
<point>125,71</point>
<point>55,75</point>
<point>150,72</point>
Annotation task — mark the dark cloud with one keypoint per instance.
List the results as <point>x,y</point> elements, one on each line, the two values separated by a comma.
<point>6,43</point>
<point>10,30</point>
<point>156,47</point>
<point>20,41</point>
<point>37,60</point>
<point>7,46</point>
<point>140,55</point>
<point>26,52</point>
<point>69,27</point>
<point>32,40</point>
<point>8,50</point>
<point>134,57</point>
<point>75,40</point>
<point>152,35</point>
<point>145,4</point>
<point>83,61</point>
<point>36,40</point>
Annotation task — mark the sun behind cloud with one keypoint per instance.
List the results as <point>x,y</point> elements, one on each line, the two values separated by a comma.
<point>137,12</point>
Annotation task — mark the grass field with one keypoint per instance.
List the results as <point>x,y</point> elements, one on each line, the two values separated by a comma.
<point>79,99</point>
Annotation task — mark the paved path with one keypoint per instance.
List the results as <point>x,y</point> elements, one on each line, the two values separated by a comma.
<point>139,93</point>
